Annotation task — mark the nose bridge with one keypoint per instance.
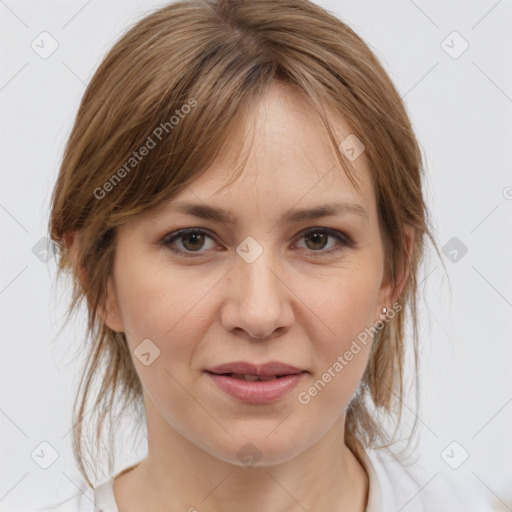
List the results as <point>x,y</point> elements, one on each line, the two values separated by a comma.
<point>257,302</point>
<point>255,272</point>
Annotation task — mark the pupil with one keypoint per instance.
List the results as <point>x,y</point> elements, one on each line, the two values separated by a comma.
<point>194,237</point>
<point>315,239</point>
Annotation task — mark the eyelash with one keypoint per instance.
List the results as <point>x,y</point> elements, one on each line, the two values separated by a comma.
<point>345,240</point>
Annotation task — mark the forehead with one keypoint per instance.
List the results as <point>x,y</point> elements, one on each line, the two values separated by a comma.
<point>283,157</point>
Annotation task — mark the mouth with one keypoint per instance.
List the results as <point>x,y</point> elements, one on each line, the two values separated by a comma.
<point>247,370</point>
<point>256,384</point>
<point>251,378</point>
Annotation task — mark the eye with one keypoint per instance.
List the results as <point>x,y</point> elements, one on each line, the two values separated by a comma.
<point>316,239</point>
<point>193,239</point>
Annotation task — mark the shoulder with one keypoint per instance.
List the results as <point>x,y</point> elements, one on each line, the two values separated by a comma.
<point>418,485</point>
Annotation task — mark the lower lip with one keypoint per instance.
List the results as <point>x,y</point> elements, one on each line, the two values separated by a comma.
<point>257,392</point>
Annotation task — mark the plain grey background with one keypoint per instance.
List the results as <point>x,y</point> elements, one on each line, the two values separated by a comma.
<point>460,102</point>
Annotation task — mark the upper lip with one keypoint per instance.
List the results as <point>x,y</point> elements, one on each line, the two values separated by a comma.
<point>264,370</point>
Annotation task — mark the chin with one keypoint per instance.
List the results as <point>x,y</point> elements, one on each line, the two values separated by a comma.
<point>258,450</point>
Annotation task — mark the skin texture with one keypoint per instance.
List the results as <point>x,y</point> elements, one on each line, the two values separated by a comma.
<point>295,303</point>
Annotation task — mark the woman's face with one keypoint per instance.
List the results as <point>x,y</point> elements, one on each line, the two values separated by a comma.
<point>256,290</point>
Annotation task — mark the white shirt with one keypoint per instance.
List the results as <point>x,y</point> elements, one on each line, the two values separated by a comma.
<point>392,488</point>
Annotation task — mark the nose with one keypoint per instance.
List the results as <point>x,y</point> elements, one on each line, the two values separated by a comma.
<point>258,301</point>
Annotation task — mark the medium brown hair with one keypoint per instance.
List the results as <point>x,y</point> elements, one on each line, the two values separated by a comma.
<point>219,58</point>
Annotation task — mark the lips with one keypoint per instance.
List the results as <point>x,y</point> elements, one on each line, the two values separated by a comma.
<point>251,378</point>
<point>256,384</point>
<point>243,370</point>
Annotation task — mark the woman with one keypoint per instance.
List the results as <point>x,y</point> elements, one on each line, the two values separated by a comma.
<point>240,205</point>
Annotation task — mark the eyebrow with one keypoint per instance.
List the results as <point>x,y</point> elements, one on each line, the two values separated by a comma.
<point>292,216</point>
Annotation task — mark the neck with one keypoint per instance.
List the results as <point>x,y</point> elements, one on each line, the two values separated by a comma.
<point>177,473</point>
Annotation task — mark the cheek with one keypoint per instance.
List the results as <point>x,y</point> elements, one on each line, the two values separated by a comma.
<point>161,306</point>
<point>345,304</point>
<point>173,308</point>
<point>342,338</point>
<point>154,299</point>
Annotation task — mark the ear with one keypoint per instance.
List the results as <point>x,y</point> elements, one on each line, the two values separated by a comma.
<point>110,314</point>
<point>388,298</point>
